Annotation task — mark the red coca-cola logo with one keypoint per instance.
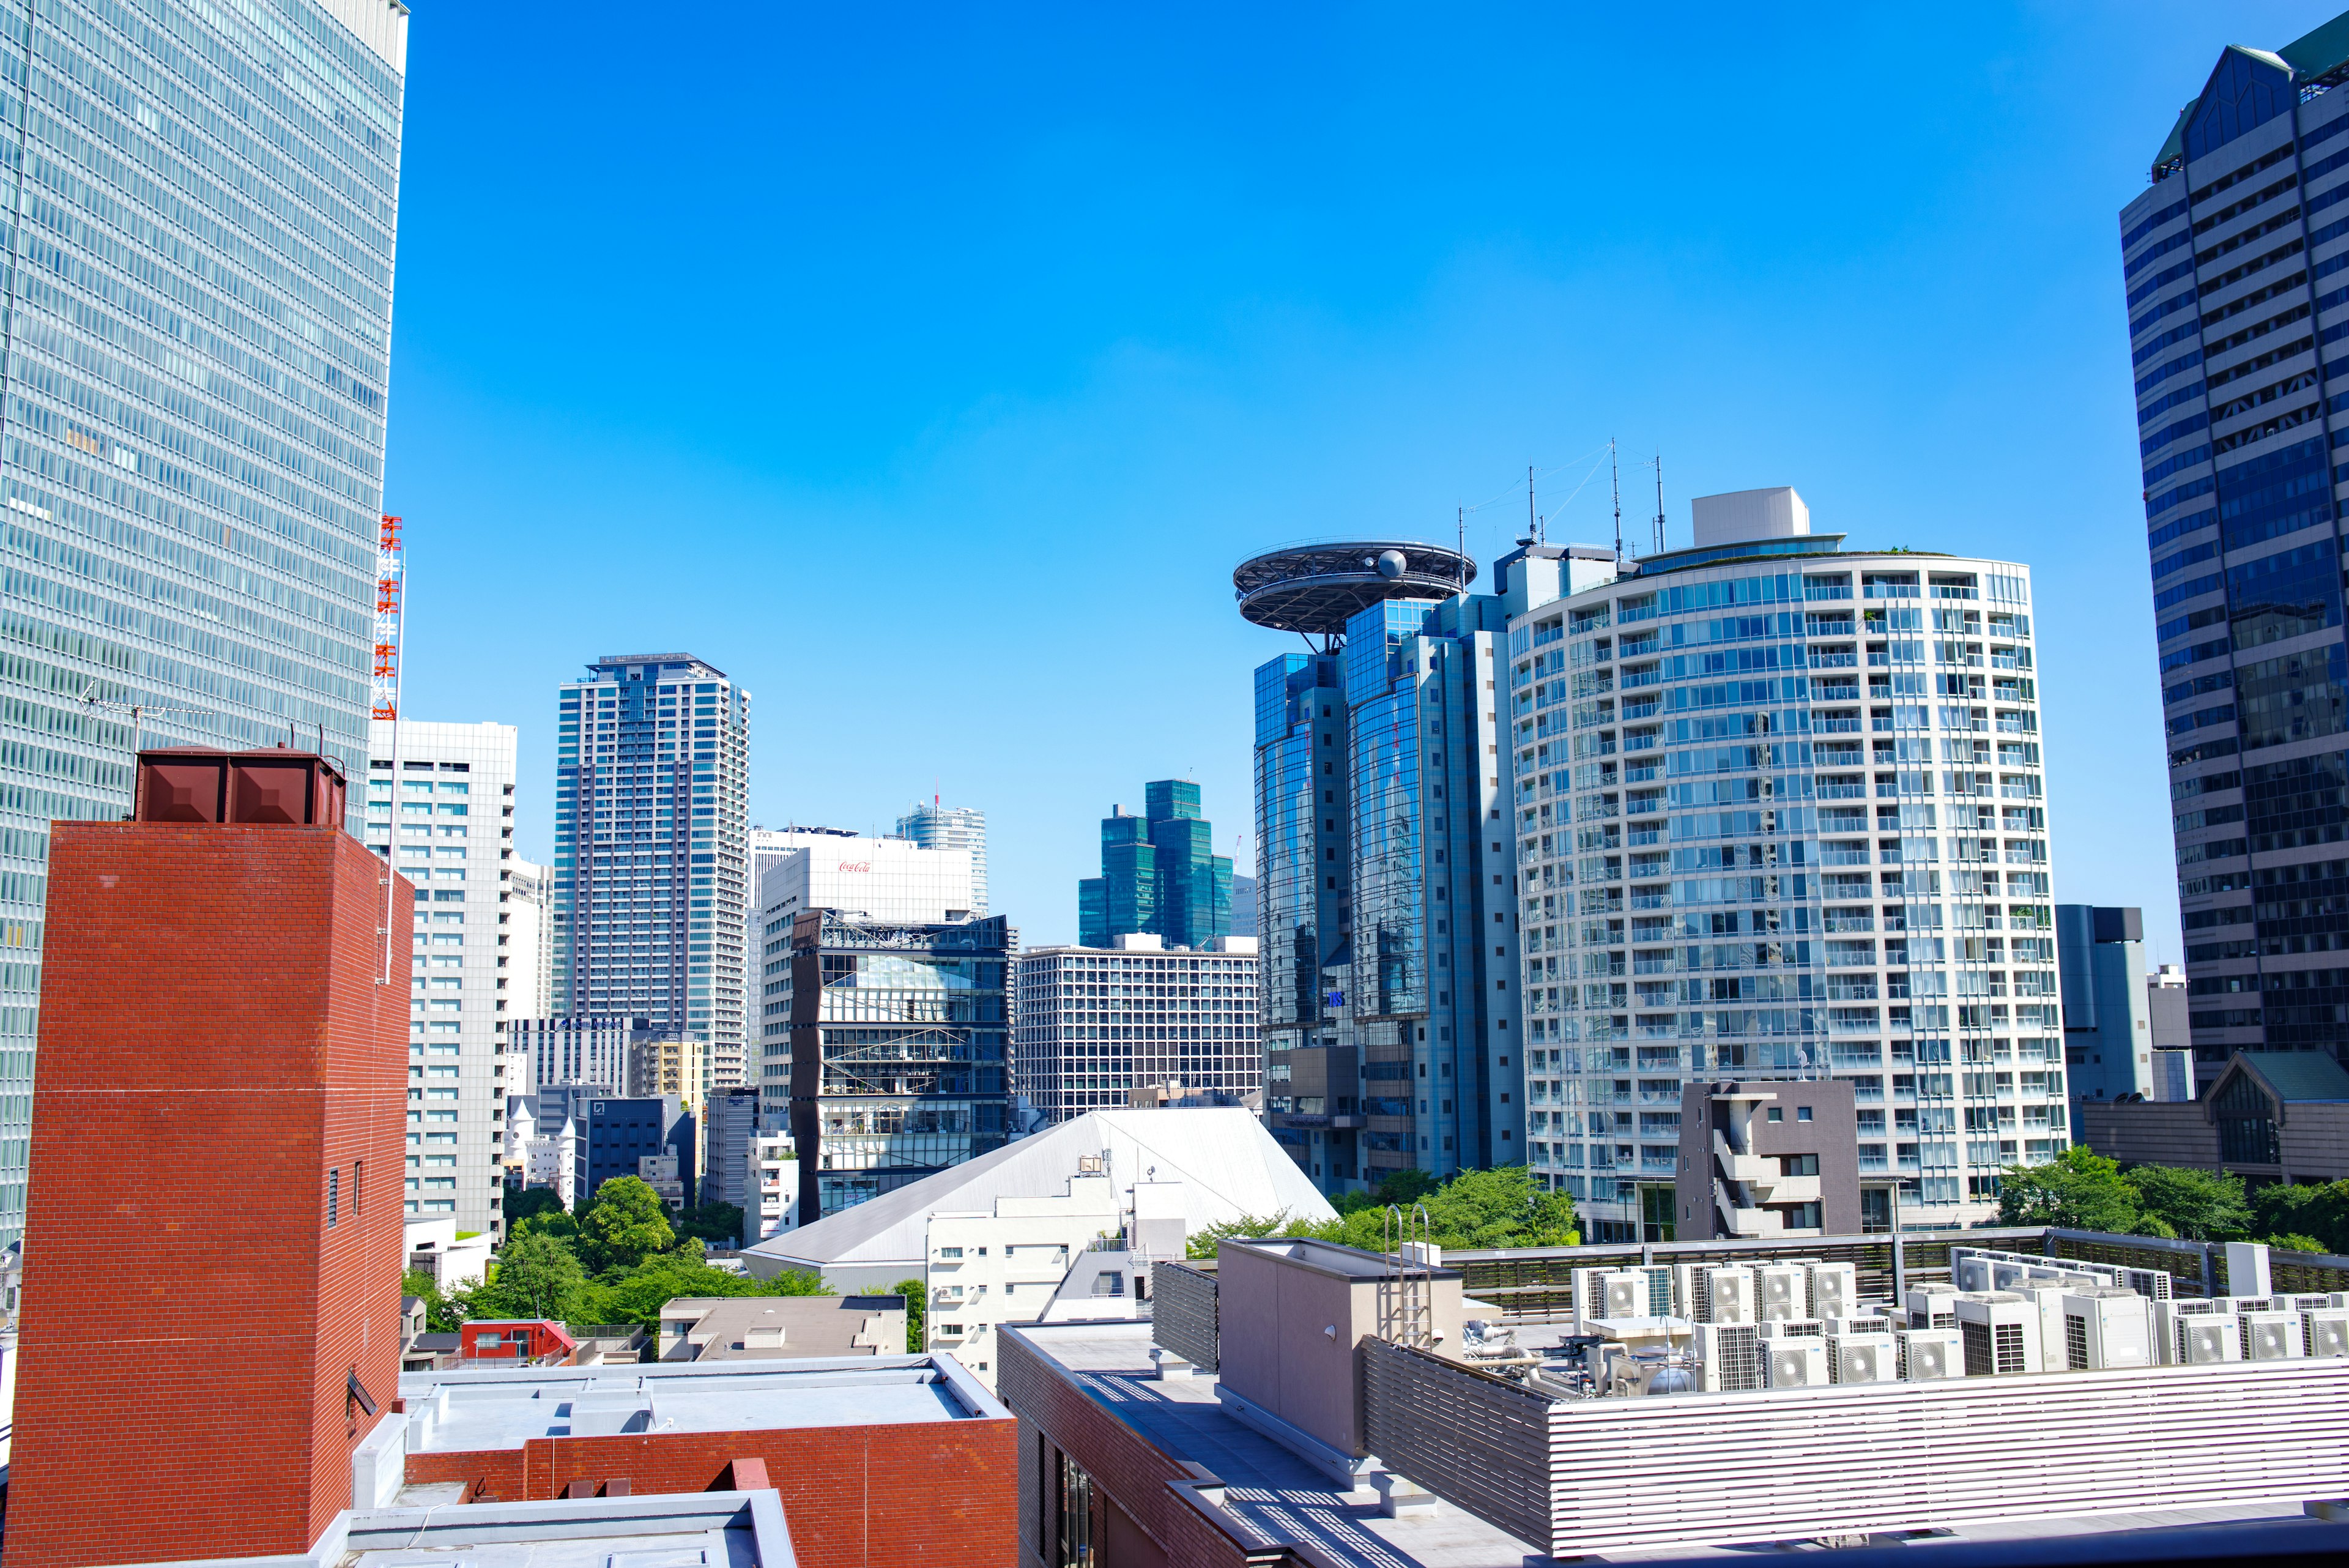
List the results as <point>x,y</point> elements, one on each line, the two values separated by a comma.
<point>856,866</point>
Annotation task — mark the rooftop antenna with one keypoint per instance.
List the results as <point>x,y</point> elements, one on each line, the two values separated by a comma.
<point>1615,481</point>
<point>1459,555</point>
<point>1659,503</point>
<point>1533,518</point>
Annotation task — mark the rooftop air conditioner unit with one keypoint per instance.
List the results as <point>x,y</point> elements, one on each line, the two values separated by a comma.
<point>2001,1333</point>
<point>2049,1299</point>
<point>1862,1358</point>
<point>1794,1363</point>
<point>2012,1273</point>
<point>1969,1270</point>
<point>1927,1353</point>
<point>1779,1291</point>
<point>1728,1357</point>
<point>1636,1293</point>
<point>1834,1290</point>
<point>2106,1329</point>
<point>2206,1339</point>
<point>2153,1285</point>
<point>1933,1306</point>
<point>1837,1327</point>
<point>2271,1335</point>
<point>1688,1291</point>
<point>1792,1328</point>
<point>1729,1295</point>
<point>2324,1333</point>
<point>1588,1294</point>
<point>2323,1302</point>
<point>2245,1303</point>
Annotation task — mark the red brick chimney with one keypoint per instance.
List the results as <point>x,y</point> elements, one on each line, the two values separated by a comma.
<point>214,1236</point>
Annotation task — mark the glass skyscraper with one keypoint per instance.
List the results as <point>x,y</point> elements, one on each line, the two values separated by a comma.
<point>200,220</point>
<point>2236,263</point>
<point>652,847</point>
<point>1385,872</point>
<point>1160,873</point>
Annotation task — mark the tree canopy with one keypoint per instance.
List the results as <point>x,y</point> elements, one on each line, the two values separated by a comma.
<point>1504,1207</point>
<point>620,1261</point>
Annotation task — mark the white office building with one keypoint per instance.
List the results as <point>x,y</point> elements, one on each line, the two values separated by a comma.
<point>937,826</point>
<point>530,894</point>
<point>892,880</point>
<point>1091,1025</point>
<point>1779,811</point>
<point>440,804</point>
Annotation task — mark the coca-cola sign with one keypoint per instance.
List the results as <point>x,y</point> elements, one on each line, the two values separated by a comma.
<point>856,866</point>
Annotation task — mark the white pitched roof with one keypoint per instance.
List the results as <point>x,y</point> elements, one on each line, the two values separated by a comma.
<point>1228,1166</point>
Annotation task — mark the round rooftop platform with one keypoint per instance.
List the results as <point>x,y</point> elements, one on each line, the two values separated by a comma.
<point>1317,588</point>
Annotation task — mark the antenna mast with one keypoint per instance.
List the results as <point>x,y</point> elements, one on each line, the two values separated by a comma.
<point>1533,518</point>
<point>1460,562</point>
<point>1659,503</point>
<point>1615,481</point>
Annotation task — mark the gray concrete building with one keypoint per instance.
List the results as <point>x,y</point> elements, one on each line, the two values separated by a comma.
<point>1770,1158</point>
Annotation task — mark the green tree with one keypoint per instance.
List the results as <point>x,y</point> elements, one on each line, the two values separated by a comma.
<point>719,1224</point>
<point>638,1294</point>
<point>2291,1243</point>
<point>2077,1191</point>
<point>626,1224</point>
<point>917,1311</point>
<point>2317,1211</point>
<point>529,1203</point>
<point>535,1276</point>
<point>2198,1205</point>
<point>1202,1243</point>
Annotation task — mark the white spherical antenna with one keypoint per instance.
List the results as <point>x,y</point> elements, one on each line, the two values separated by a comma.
<point>1390,564</point>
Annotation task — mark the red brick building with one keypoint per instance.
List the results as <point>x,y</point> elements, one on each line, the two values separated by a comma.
<point>218,1138</point>
<point>878,1459</point>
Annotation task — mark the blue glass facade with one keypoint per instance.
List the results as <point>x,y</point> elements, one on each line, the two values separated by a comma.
<point>1385,898</point>
<point>2236,262</point>
<point>202,202</point>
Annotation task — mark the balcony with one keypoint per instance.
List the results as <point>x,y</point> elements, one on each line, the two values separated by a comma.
<point>1748,1169</point>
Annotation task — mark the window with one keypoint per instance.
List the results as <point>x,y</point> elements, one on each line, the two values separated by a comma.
<point>1802,1112</point>
<point>334,1197</point>
<point>1776,1115</point>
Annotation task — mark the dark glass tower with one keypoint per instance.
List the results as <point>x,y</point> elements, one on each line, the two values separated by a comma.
<point>1160,873</point>
<point>2236,265</point>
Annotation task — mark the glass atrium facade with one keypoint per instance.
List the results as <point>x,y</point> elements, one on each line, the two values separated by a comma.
<point>200,248</point>
<point>1785,821</point>
<point>897,1048</point>
<point>2236,262</point>
<point>651,848</point>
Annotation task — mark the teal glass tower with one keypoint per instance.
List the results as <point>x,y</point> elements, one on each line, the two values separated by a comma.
<point>1160,873</point>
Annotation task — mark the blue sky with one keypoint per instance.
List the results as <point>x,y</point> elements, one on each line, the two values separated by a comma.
<point>928,370</point>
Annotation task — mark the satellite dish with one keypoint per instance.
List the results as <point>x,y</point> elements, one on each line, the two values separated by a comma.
<point>1390,564</point>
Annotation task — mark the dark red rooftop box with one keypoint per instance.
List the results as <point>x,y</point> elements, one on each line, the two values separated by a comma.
<point>199,784</point>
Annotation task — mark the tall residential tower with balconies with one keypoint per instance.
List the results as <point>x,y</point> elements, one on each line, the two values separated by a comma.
<point>651,848</point>
<point>1778,813</point>
<point>2236,265</point>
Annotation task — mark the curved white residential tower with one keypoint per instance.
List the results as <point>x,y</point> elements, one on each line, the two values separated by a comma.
<point>1777,811</point>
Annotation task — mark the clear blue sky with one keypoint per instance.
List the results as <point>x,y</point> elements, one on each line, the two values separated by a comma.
<point>930,370</point>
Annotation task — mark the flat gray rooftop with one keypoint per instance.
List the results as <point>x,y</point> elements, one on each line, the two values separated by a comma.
<point>1275,1491</point>
<point>470,1411</point>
